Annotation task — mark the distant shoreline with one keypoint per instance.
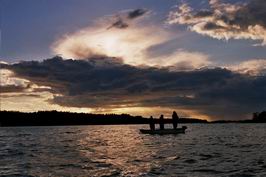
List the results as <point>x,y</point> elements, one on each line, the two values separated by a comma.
<point>55,118</point>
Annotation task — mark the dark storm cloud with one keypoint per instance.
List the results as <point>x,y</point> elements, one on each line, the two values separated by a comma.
<point>108,83</point>
<point>122,21</point>
<point>136,13</point>
<point>204,13</point>
<point>253,13</point>
<point>224,20</point>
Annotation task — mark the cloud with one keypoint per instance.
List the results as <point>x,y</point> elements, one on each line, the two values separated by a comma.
<point>225,20</point>
<point>8,79</point>
<point>122,20</point>
<point>256,67</point>
<point>32,102</point>
<point>130,44</point>
<point>182,60</point>
<point>136,13</point>
<point>19,94</point>
<point>119,24</point>
<point>108,85</point>
<point>11,85</point>
<point>3,62</point>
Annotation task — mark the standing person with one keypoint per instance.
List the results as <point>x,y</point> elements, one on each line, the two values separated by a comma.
<point>175,119</point>
<point>152,124</point>
<point>161,122</point>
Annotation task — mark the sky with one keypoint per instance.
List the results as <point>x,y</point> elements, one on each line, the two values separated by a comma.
<point>204,59</point>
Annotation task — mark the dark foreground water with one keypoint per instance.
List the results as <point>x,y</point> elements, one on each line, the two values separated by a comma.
<point>234,150</point>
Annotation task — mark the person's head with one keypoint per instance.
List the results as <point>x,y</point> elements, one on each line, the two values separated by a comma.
<point>161,117</point>
<point>151,117</point>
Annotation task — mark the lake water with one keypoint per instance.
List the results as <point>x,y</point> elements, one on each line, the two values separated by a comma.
<point>233,150</point>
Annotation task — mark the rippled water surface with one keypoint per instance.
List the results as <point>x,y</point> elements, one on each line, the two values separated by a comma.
<point>205,150</point>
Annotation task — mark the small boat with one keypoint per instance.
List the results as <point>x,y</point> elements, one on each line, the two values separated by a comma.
<point>164,132</point>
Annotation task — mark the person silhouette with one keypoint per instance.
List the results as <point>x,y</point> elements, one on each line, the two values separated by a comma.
<point>152,124</point>
<point>175,119</point>
<point>161,121</point>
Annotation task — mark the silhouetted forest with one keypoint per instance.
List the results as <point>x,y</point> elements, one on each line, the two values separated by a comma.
<point>259,117</point>
<point>53,118</point>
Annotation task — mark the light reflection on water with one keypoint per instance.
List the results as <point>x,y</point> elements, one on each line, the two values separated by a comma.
<point>205,150</point>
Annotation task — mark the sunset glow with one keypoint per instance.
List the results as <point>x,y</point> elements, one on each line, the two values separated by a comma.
<point>197,58</point>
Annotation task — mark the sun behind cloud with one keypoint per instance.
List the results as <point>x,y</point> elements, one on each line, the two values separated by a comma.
<point>129,43</point>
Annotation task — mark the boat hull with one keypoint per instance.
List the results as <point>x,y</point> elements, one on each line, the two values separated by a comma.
<point>164,132</point>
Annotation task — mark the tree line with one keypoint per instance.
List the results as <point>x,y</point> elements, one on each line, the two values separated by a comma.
<point>54,118</point>
<point>259,116</point>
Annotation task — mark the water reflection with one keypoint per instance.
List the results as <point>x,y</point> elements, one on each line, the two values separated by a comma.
<point>119,150</point>
<point>205,150</point>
